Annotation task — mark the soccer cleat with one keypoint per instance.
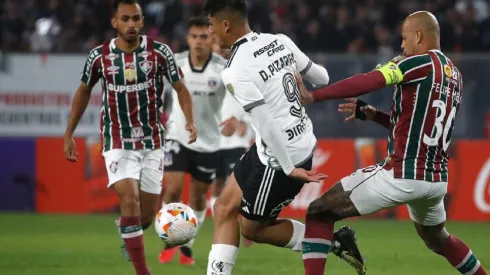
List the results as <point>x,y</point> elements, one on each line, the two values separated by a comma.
<point>186,256</point>
<point>124,251</point>
<point>167,255</point>
<point>345,247</point>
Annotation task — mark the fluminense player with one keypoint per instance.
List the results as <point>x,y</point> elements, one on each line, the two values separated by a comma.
<point>427,96</point>
<point>132,68</point>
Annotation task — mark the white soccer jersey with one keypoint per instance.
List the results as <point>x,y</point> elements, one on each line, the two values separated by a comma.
<point>261,71</point>
<point>207,92</point>
<point>231,107</point>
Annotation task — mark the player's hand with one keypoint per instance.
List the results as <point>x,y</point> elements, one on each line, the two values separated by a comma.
<point>229,126</point>
<point>233,125</point>
<point>191,128</point>
<point>70,150</point>
<point>358,109</point>
<point>306,97</point>
<point>307,176</point>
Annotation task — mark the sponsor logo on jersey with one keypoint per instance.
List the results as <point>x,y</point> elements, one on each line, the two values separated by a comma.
<point>113,70</point>
<point>112,56</point>
<point>137,132</point>
<point>130,88</point>
<point>144,54</point>
<point>90,60</point>
<point>269,48</point>
<point>448,71</point>
<point>146,66</point>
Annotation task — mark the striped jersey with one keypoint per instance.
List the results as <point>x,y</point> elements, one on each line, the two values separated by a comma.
<point>132,87</point>
<point>428,91</point>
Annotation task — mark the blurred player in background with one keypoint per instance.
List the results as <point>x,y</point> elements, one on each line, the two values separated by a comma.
<point>202,69</point>
<point>132,68</point>
<point>260,76</point>
<point>427,96</point>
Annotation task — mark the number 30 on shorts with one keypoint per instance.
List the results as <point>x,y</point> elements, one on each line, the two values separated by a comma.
<point>433,141</point>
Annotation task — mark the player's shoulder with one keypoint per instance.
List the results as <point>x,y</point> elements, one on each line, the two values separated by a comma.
<point>159,46</point>
<point>181,56</point>
<point>218,60</point>
<point>413,61</point>
<point>97,50</point>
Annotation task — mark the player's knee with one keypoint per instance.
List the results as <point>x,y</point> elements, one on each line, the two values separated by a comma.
<point>250,233</point>
<point>129,201</point>
<point>223,210</point>
<point>319,209</point>
<point>435,240</point>
<point>173,191</point>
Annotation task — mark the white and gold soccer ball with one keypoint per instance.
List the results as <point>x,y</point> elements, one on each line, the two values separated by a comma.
<point>176,224</point>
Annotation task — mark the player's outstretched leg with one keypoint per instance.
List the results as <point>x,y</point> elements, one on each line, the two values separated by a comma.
<point>226,235</point>
<point>219,184</point>
<point>458,254</point>
<point>198,203</point>
<point>321,216</point>
<point>130,223</point>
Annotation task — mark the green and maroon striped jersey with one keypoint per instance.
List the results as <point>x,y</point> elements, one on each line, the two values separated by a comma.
<point>132,87</point>
<point>424,107</point>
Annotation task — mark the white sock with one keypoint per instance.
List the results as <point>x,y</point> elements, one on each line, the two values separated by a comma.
<point>163,204</point>
<point>201,217</point>
<point>296,242</point>
<point>212,201</point>
<point>221,259</point>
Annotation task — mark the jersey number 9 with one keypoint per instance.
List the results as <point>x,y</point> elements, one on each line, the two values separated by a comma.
<point>292,94</point>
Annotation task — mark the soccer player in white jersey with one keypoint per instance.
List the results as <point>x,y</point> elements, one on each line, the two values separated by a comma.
<point>260,74</point>
<point>236,138</point>
<point>201,68</point>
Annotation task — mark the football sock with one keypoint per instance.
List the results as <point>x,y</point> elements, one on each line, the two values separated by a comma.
<point>296,242</point>
<point>201,217</point>
<point>460,256</point>
<point>132,234</point>
<point>221,259</point>
<point>212,201</point>
<point>316,244</point>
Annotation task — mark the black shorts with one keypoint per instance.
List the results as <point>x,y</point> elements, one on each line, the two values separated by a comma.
<point>266,192</point>
<point>227,160</point>
<point>201,166</point>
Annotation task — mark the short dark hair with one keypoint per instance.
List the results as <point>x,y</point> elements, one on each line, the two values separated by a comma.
<point>198,21</point>
<point>117,2</point>
<point>211,7</point>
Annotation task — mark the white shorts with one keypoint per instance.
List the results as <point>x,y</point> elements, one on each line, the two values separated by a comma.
<point>375,188</point>
<point>145,165</point>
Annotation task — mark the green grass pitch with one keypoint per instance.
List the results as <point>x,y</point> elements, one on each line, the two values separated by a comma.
<point>89,245</point>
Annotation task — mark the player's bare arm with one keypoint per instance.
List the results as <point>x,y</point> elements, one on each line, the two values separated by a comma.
<point>79,104</point>
<point>349,89</point>
<point>185,102</point>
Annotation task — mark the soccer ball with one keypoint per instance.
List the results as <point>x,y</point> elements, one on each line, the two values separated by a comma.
<point>176,224</point>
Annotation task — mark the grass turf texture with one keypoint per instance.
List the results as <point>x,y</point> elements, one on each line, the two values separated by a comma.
<point>89,245</point>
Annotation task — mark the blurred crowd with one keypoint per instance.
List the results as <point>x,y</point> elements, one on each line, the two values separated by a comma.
<point>335,26</point>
